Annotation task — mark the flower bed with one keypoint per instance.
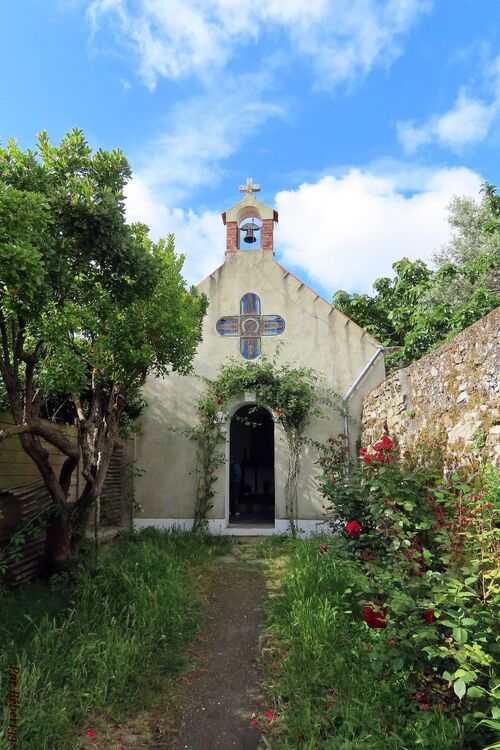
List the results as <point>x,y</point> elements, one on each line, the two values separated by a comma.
<point>430,596</point>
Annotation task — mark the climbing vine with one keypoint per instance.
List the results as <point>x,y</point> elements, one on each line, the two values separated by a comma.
<point>294,395</point>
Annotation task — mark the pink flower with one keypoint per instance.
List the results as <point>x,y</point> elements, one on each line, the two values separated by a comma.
<point>90,732</point>
<point>323,548</point>
<point>202,637</point>
<point>425,706</point>
<point>353,528</point>
<point>253,722</point>
<point>392,642</point>
<point>271,714</point>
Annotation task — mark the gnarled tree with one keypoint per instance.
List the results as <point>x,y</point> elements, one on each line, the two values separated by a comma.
<point>89,306</point>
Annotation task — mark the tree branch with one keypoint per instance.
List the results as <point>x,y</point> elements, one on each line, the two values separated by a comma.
<point>18,429</point>
<point>5,343</point>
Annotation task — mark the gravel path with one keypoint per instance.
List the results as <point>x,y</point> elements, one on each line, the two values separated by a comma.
<point>218,703</point>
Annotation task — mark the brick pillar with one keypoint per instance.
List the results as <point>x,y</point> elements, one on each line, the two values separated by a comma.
<point>231,236</point>
<point>266,239</point>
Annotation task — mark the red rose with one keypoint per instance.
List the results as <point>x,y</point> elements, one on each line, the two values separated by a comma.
<point>387,443</point>
<point>323,548</point>
<point>373,618</point>
<point>429,616</point>
<point>353,528</point>
<point>363,451</point>
<point>390,459</point>
<point>378,446</point>
<point>367,459</point>
<point>277,411</point>
<point>218,401</point>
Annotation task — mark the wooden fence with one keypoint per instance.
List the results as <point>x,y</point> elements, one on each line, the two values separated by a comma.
<point>23,498</point>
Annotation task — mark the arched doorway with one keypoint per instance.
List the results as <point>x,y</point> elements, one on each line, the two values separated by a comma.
<point>251,478</point>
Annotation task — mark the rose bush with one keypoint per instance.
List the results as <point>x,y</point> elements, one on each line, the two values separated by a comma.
<point>429,549</point>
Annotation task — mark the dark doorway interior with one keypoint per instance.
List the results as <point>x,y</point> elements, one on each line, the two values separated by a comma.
<point>251,493</point>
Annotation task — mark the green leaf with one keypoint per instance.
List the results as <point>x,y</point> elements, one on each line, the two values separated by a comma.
<point>475,691</point>
<point>459,688</point>
<point>460,635</point>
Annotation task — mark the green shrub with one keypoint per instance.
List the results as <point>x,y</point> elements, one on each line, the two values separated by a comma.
<point>429,549</point>
<point>319,675</point>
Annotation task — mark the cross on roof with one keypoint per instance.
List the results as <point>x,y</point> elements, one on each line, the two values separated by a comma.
<point>249,187</point>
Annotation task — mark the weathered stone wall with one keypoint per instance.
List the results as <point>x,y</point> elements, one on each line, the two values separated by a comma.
<point>449,399</point>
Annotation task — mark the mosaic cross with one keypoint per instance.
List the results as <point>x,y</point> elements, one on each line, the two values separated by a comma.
<point>249,187</point>
<point>250,325</point>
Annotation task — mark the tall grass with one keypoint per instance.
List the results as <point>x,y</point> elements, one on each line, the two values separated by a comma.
<point>319,677</point>
<point>99,640</point>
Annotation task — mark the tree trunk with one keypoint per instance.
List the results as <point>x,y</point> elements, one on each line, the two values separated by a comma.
<point>57,551</point>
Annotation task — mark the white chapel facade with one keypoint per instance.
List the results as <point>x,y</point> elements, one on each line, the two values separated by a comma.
<point>255,307</point>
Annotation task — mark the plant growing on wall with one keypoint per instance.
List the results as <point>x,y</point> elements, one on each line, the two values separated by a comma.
<point>293,394</point>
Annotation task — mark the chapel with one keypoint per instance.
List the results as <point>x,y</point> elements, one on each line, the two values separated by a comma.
<point>256,307</point>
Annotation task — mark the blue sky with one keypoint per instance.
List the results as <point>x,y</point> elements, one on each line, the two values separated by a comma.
<point>359,118</point>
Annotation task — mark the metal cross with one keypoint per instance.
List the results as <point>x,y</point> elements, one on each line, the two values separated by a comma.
<point>250,325</point>
<point>249,187</point>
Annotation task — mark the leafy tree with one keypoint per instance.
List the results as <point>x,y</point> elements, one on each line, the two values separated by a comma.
<point>89,307</point>
<point>419,308</point>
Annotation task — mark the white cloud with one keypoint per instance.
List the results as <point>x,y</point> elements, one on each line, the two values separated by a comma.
<point>344,39</point>
<point>202,132</point>
<point>346,232</point>
<point>342,233</point>
<point>468,121</point>
<point>200,237</point>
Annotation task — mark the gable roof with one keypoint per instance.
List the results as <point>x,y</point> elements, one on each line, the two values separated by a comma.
<point>316,295</point>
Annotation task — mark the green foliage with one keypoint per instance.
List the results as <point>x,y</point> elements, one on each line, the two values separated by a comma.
<point>102,298</point>
<point>319,674</point>
<point>99,643</point>
<point>419,309</point>
<point>429,549</point>
<point>89,307</point>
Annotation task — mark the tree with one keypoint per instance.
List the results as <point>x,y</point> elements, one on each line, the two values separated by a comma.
<point>89,307</point>
<point>420,308</point>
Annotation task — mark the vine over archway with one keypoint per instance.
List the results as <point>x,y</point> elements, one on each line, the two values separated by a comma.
<point>294,395</point>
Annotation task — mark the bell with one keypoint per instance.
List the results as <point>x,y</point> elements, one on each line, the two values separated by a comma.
<point>250,228</point>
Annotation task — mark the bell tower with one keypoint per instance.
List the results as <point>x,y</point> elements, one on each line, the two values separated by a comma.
<point>249,221</point>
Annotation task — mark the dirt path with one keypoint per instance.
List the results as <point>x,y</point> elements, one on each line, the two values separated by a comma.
<point>218,704</point>
<point>210,705</point>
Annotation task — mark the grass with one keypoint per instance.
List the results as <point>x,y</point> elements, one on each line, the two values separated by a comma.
<point>100,642</point>
<point>316,660</point>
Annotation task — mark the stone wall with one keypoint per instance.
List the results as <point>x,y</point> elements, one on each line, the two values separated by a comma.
<point>448,400</point>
